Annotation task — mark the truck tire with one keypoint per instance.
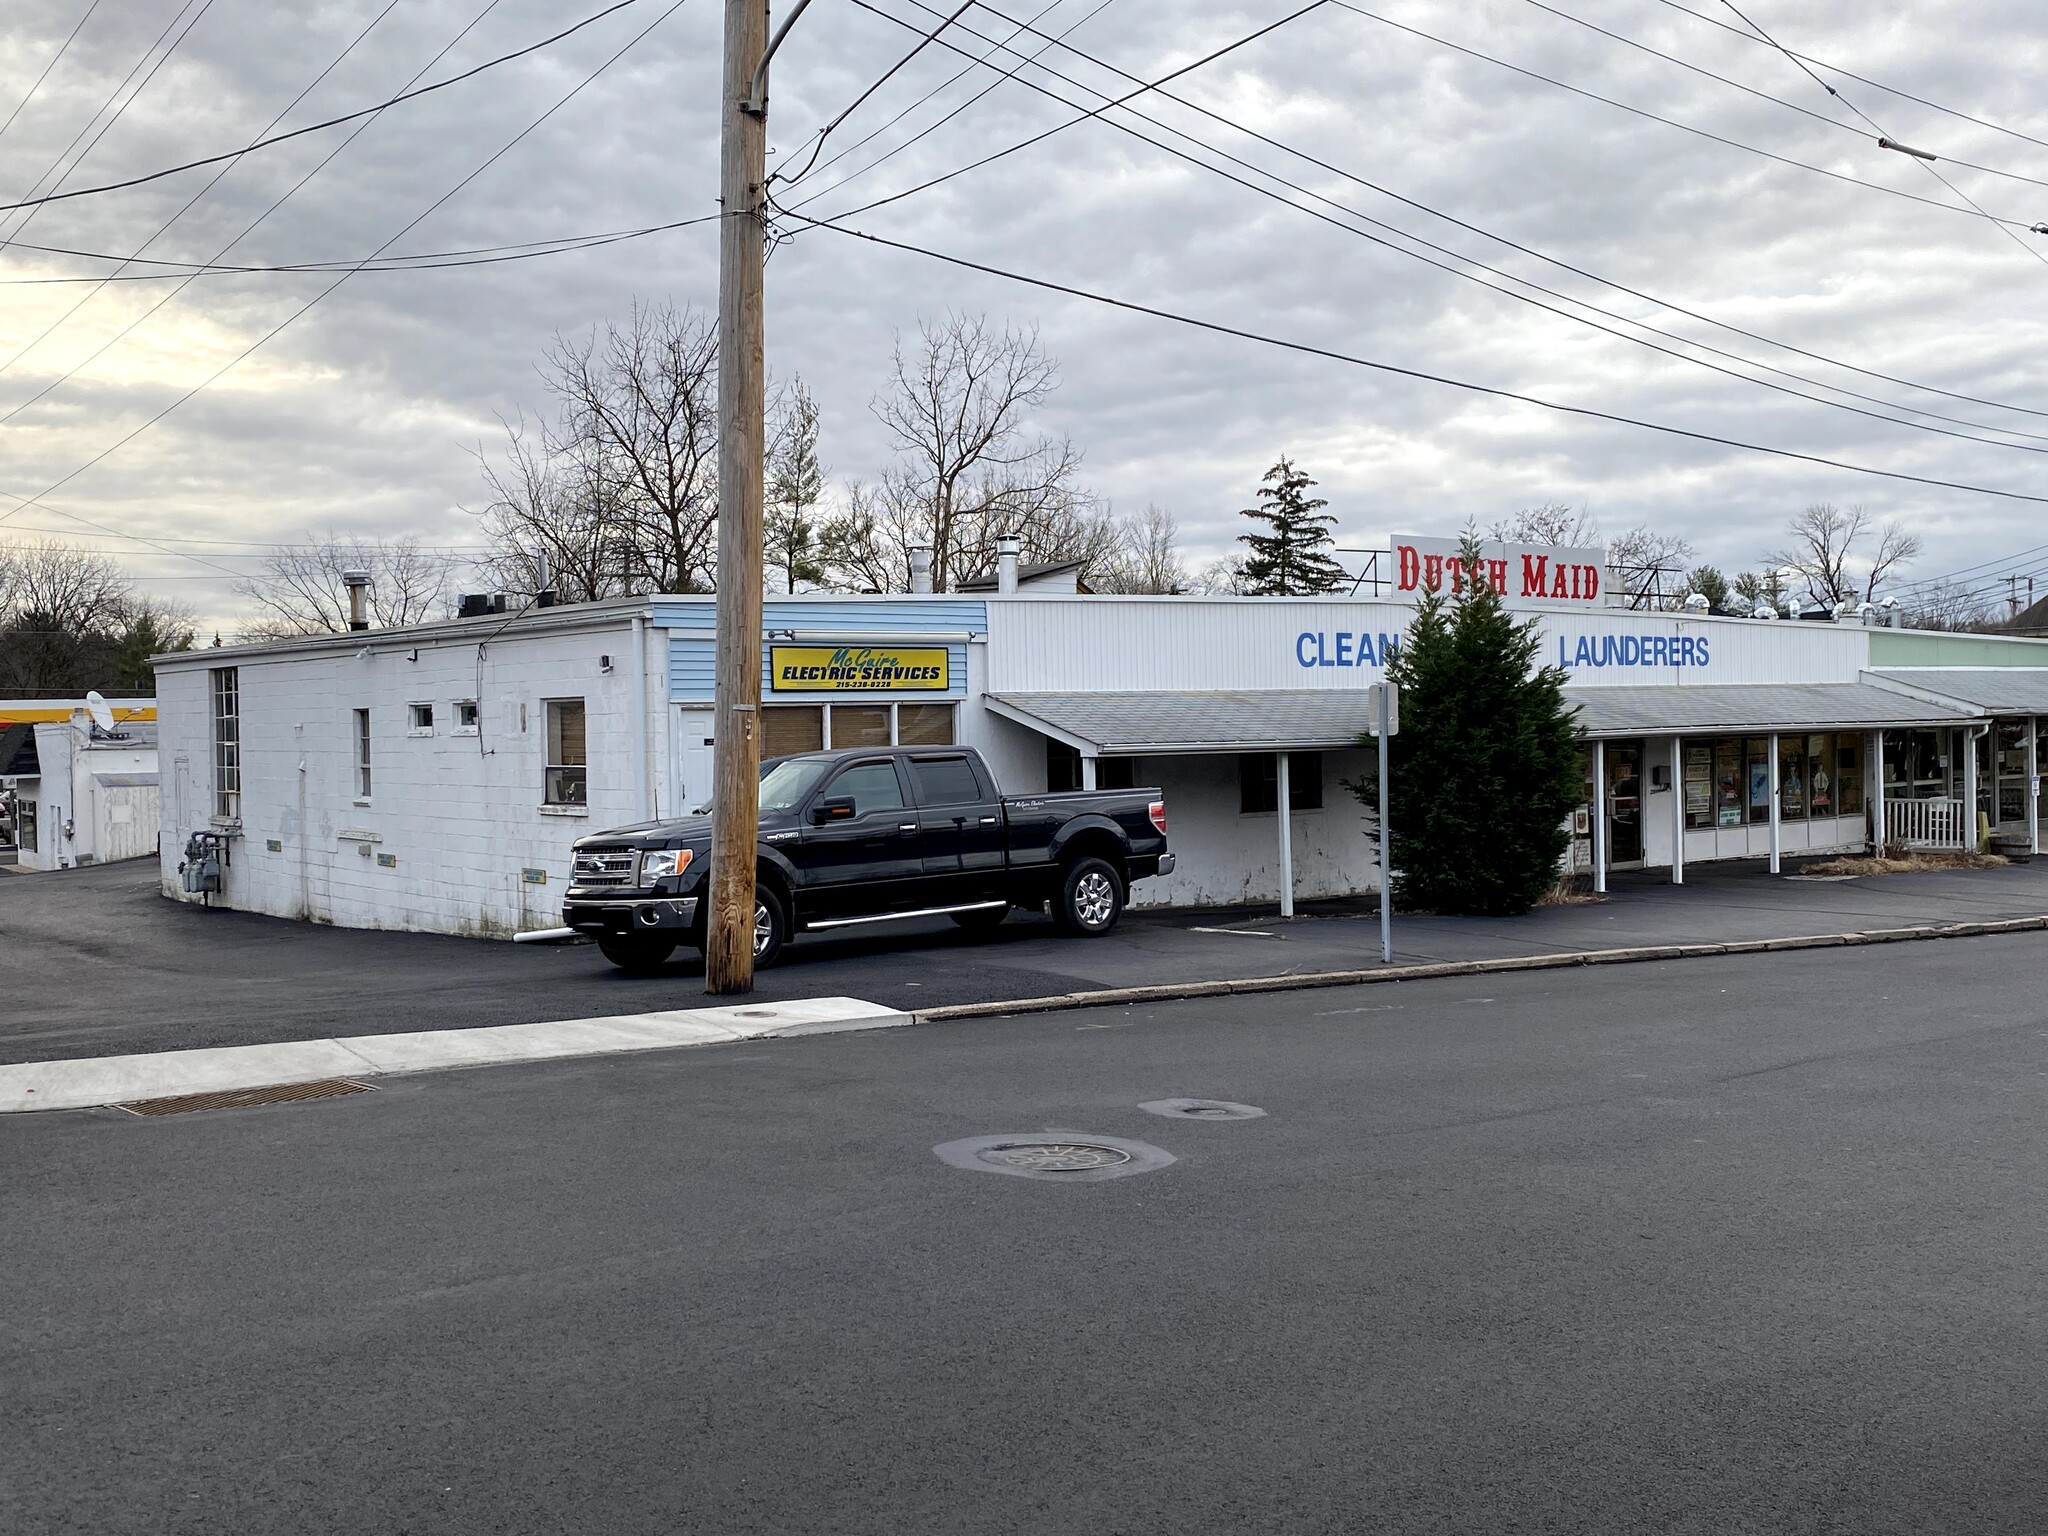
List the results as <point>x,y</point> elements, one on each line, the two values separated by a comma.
<point>987,920</point>
<point>636,954</point>
<point>771,926</point>
<point>1091,898</point>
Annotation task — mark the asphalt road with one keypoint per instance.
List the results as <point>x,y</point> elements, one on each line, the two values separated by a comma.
<point>93,962</point>
<point>1736,1245</point>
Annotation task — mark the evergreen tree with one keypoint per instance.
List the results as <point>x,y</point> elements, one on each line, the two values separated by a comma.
<point>1292,558</point>
<point>796,485</point>
<point>1486,766</point>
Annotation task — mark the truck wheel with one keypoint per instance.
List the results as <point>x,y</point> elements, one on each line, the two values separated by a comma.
<point>771,927</point>
<point>987,920</point>
<point>634,953</point>
<point>1091,898</point>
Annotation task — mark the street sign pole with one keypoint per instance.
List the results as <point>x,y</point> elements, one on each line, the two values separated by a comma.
<point>1386,842</point>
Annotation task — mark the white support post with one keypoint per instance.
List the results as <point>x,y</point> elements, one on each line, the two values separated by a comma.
<point>1677,811</point>
<point>1283,790</point>
<point>2034,782</point>
<point>1878,839</point>
<point>1599,750</point>
<point>1774,802</point>
<point>1969,827</point>
<point>1087,773</point>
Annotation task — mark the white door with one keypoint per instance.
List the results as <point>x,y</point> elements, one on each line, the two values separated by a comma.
<point>692,757</point>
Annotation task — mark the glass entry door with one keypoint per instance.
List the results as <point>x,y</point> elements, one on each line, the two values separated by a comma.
<point>1624,802</point>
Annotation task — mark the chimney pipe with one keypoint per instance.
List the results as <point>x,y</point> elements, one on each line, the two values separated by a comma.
<point>920,568</point>
<point>1006,562</point>
<point>358,584</point>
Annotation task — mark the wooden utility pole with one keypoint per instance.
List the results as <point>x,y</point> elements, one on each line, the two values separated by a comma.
<point>736,741</point>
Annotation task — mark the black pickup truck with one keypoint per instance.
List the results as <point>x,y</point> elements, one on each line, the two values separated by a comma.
<point>871,835</point>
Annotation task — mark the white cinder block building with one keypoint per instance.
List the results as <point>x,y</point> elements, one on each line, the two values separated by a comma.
<point>83,795</point>
<point>434,778</point>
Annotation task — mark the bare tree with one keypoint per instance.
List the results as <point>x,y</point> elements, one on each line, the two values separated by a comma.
<point>1551,523</point>
<point>300,591</point>
<point>1827,551</point>
<point>620,490</point>
<point>1148,559</point>
<point>71,620</point>
<point>1650,566</point>
<point>68,588</point>
<point>1946,604</point>
<point>796,485</point>
<point>967,471</point>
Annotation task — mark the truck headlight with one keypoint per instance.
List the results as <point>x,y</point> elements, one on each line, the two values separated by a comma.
<point>663,862</point>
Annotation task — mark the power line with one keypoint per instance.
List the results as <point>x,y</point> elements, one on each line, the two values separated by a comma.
<point>940,122</point>
<point>24,502</point>
<point>1482,266</point>
<point>55,59</point>
<point>1493,391</point>
<point>1669,122</point>
<point>1924,161</point>
<point>1558,262</point>
<point>332,122</point>
<point>425,261</point>
<point>887,75</point>
<point>190,202</point>
<point>1750,90</point>
<point>1850,74</point>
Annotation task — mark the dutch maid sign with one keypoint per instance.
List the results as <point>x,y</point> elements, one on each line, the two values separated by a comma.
<point>1525,575</point>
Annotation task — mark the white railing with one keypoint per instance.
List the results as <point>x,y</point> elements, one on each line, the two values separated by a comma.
<point>1925,823</point>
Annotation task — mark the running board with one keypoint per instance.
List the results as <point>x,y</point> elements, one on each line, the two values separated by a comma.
<point>892,917</point>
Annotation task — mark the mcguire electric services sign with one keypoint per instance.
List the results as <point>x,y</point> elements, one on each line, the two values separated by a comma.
<point>857,669</point>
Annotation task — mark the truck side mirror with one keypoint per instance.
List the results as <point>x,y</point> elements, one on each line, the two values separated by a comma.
<point>832,808</point>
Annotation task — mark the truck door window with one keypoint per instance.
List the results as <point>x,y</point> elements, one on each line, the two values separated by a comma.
<point>871,787</point>
<point>945,781</point>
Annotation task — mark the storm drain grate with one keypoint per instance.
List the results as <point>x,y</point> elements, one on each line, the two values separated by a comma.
<point>244,1098</point>
<point>1064,1157</point>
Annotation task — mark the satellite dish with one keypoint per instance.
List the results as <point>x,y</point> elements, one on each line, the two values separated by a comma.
<point>102,716</point>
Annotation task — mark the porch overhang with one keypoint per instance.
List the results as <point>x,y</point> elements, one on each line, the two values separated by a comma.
<point>1140,724</point>
<point>1756,708</point>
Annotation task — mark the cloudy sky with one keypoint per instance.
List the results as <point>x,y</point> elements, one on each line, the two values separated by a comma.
<point>362,414</point>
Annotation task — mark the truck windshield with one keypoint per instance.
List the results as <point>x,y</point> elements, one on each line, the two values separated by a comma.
<point>786,784</point>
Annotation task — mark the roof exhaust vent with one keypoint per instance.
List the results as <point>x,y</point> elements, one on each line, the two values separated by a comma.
<point>358,584</point>
<point>920,568</point>
<point>1007,549</point>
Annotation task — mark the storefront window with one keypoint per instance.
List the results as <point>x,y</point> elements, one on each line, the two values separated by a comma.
<point>1848,775</point>
<point>1728,784</point>
<point>1791,778</point>
<point>924,725</point>
<point>1759,753</point>
<point>860,725</point>
<point>790,728</point>
<point>1258,782</point>
<point>1699,785</point>
<point>1820,776</point>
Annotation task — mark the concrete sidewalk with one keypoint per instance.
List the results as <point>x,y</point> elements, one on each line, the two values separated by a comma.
<point>94,962</point>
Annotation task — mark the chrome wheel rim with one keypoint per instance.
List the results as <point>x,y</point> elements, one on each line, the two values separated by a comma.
<point>1094,898</point>
<point>764,927</point>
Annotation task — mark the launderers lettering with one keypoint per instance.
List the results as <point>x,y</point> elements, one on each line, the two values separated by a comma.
<point>1633,651</point>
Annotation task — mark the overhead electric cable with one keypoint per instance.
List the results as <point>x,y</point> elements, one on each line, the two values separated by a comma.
<point>332,122</point>
<point>24,502</point>
<point>1850,74</point>
<point>824,133</point>
<point>55,58</point>
<point>1669,122</point>
<point>1482,266</point>
<point>190,202</point>
<point>1558,262</point>
<point>247,229</point>
<point>1307,349</point>
<point>1761,95</point>
<point>1921,157</point>
<point>941,121</point>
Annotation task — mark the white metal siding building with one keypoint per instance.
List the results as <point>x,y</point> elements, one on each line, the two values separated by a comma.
<point>434,777</point>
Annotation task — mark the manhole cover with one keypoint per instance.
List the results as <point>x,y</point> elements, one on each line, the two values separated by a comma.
<point>1066,1157</point>
<point>1202,1109</point>
<point>1054,1156</point>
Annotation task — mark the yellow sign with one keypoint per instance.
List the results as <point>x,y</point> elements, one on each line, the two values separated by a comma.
<point>857,668</point>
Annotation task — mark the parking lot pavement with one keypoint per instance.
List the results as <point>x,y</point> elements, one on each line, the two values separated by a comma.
<point>95,962</point>
<point>1746,1244</point>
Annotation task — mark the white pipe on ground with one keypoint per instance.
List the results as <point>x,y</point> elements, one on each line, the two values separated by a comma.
<point>546,936</point>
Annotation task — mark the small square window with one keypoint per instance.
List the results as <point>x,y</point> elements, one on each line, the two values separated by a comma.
<point>465,717</point>
<point>422,717</point>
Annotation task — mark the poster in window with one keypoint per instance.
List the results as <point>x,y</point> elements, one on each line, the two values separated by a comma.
<point>1699,787</point>
<point>1760,785</point>
<point>1728,784</point>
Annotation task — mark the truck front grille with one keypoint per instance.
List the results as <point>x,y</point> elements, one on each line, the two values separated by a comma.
<point>604,866</point>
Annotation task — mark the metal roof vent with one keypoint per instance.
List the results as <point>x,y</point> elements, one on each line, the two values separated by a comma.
<point>1697,602</point>
<point>358,584</point>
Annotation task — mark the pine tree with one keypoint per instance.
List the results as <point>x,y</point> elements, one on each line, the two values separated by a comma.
<point>1486,766</point>
<point>1292,559</point>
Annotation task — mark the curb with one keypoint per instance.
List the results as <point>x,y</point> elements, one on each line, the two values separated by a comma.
<point>1175,992</point>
